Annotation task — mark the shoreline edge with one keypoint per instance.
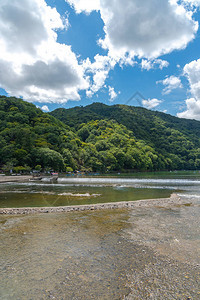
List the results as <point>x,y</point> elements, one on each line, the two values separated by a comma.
<point>160,202</point>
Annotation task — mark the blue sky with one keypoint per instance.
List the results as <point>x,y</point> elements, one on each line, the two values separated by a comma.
<point>58,53</point>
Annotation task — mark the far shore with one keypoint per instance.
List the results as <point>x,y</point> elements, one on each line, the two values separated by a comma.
<point>174,200</point>
<point>16,178</point>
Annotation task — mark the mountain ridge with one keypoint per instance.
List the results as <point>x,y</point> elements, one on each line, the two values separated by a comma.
<point>94,109</point>
<point>95,138</point>
<point>131,117</point>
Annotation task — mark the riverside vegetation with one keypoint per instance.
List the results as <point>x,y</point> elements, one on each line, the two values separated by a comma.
<point>97,138</point>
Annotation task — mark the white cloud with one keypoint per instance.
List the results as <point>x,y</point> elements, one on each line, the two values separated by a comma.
<point>45,108</point>
<point>32,63</point>
<point>147,28</point>
<point>151,64</point>
<point>192,72</point>
<point>151,103</point>
<point>99,69</point>
<point>84,6</point>
<point>35,66</point>
<point>193,2</point>
<point>112,93</point>
<point>192,111</point>
<point>171,83</point>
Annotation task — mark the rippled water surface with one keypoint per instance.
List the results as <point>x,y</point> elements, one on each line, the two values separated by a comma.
<point>81,190</point>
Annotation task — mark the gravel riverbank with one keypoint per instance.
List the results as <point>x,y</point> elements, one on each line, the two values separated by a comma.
<point>144,253</point>
<point>162,202</point>
<point>20,178</point>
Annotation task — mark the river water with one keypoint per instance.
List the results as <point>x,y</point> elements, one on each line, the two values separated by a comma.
<point>140,253</point>
<point>91,190</point>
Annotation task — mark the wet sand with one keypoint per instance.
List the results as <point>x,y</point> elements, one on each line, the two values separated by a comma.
<point>162,202</point>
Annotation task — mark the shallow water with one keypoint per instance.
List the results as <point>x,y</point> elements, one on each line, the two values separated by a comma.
<point>19,195</point>
<point>91,190</point>
<point>140,253</point>
<point>122,254</point>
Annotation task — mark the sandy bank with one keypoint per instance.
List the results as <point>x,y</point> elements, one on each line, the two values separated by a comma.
<point>161,202</point>
<point>21,178</point>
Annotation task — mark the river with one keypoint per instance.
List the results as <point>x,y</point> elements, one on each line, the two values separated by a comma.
<point>140,253</point>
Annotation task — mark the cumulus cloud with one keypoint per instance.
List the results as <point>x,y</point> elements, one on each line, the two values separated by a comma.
<point>112,93</point>
<point>171,83</point>
<point>99,70</point>
<point>32,63</point>
<point>86,6</point>
<point>192,72</point>
<point>192,111</point>
<point>45,108</point>
<point>146,28</point>
<point>151,103</point>
<point>152,64</point>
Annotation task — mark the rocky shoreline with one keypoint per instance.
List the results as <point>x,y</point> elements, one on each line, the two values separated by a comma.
<point>161,202</point>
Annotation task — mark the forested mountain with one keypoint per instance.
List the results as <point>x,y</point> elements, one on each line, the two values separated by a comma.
<point>140,120</point>
<point>171,137</point>
<point>95,138</point>
<point>29,137</point>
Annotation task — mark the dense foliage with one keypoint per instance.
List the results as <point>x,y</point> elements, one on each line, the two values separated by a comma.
<point>175,141</point>
<point>29,137</point>
<point>95,138</point>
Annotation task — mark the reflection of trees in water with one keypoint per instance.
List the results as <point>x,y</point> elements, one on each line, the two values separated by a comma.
<point>47,201</point>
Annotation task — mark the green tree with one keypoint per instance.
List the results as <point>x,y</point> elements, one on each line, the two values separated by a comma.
<point>49,159</point>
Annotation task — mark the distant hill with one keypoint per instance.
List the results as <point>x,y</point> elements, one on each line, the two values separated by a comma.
<point>137,119</point>
<point>165,133</point>
<point>95,138</point>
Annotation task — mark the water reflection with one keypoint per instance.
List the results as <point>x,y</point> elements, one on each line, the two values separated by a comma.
<point>26,195</point>
<point>75,191</point>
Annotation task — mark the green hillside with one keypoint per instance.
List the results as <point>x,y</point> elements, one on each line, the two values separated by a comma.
<point>95,138</point>
<point>140,120</point>
<point>172,137</point>
<point>29,137</point>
